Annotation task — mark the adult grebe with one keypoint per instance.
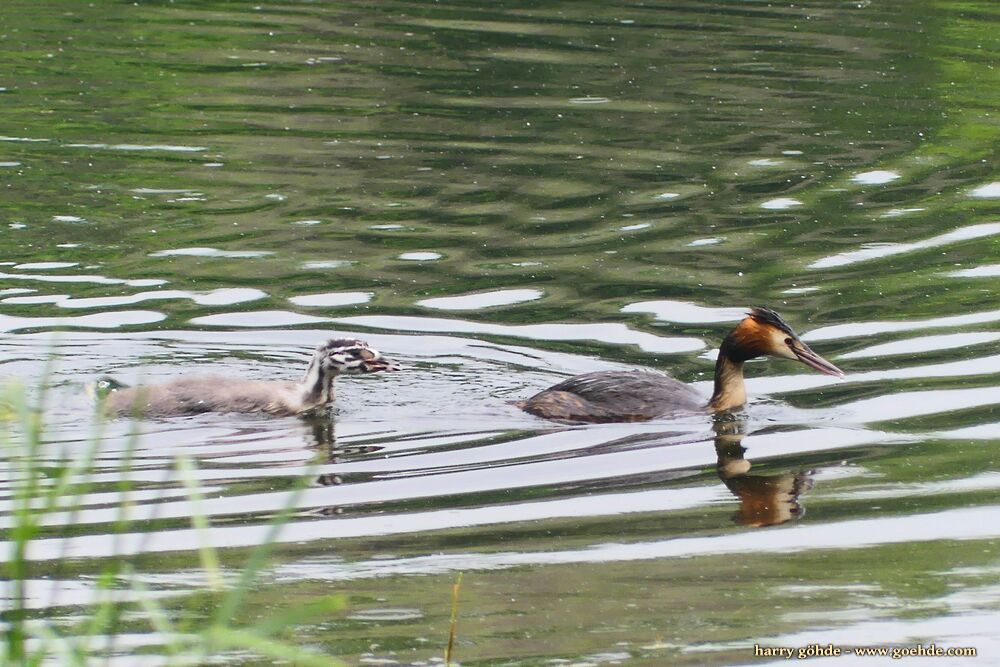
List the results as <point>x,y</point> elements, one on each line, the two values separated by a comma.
<point>214,393</point>
<point>621,396</point>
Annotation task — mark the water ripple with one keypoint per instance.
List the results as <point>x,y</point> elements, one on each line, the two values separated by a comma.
<point>482,300</point>
<point>98,280</point>
<point>112,320</point>
<point>883,250</point>
<point>217,297</point>
<point>605,332</point>
<point>863,329</point>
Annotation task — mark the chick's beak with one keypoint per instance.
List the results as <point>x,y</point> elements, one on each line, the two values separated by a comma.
<point>804,354</point>
<point>380,364</point>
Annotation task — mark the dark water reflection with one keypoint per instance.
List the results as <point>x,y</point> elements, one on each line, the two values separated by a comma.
<point>502,196</point>
<point>765,500</point>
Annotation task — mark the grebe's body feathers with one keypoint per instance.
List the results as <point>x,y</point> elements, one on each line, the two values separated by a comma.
<point>614,396</point>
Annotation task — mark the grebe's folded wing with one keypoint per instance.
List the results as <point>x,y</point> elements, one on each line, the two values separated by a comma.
<point>615,396</point>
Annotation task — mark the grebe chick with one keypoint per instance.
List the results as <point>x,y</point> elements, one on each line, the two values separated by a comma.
<point>622,396</point>
<point>214,393</point>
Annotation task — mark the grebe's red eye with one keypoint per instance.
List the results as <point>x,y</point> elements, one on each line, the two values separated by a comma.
<point>788,342</point>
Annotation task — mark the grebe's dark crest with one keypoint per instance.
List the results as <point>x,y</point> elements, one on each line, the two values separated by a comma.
<point>607,396</point>
<point>213,393</point>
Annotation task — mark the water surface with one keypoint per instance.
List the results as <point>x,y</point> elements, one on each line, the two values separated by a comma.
<point>500,197</point>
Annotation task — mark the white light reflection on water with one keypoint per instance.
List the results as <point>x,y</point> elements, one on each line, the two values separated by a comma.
<point>896,212</point>
<point>987,481</point>
<point>703,242</point>
<point>332,299</point>
<point>918,404</point>
<point>97,280</point>
<point>605,332</point>
<point>212,252</point>
<point>260,318</point>
<point>953,524</point>
<point>781,203</point>
<point>881,250</point>
<point>217,297</point>
<point>44,266</point>
<point>23,139</point>
<point>538,471</point>
<point>482,300</point>
<point>41,593</point>
<point>420,256</point>
<point>112,320</point>
<point>328,264</point>
<point>970,367</point>
<point>165,191</point>
<point>684,312</point>
<point>986,271</point>
<point>923,344</point>
<point>863,329</point>
<point>988,191</point>
<point>877,177</point>
<point>140,147</point>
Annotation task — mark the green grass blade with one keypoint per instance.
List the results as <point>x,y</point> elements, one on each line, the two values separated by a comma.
<point>209,559</point>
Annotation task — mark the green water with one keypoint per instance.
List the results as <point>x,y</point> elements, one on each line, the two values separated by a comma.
<point>500,196</point>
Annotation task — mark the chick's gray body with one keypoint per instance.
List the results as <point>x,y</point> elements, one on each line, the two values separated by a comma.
<point>208,393</point>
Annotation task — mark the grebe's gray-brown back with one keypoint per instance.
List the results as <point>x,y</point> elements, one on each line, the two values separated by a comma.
<point>621,396</point>
<point>214,393</point>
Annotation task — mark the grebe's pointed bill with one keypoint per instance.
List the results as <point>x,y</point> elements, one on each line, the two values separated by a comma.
<point>804,354</point>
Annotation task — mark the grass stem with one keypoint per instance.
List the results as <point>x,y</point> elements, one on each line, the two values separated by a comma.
<point>452,626</point>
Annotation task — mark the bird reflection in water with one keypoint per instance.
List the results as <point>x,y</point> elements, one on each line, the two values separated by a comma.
<point>765,500</point>
<point>327,452</point>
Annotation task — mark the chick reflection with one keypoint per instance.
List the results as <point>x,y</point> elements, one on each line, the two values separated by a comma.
<point>327,452</point>
<point>765,500</point>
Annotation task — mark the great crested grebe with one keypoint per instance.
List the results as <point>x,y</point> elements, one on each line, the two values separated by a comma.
<point>214,393</point>
<point>621,396</point>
